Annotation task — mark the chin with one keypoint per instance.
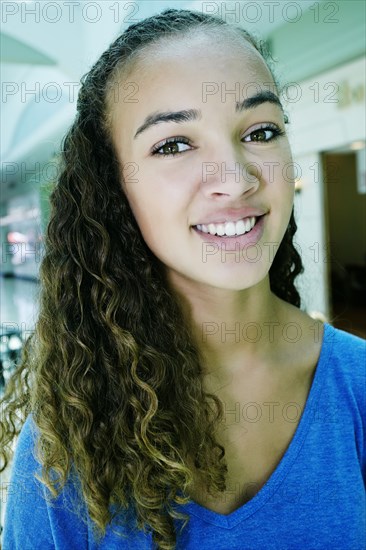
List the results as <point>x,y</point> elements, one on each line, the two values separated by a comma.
<point>238,285</point>
<point>241,280</point>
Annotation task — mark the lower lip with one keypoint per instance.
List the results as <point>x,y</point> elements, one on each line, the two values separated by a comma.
<point>248,239</point>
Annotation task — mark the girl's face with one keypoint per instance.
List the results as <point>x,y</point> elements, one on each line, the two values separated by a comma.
<point>225,160</point>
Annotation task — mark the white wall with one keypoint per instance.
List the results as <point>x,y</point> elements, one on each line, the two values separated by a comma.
<point>310,236</point>
<point>326,112</point>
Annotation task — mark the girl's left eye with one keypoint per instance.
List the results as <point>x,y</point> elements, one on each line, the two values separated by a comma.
<point>264,134</point>
<point>171,147</point>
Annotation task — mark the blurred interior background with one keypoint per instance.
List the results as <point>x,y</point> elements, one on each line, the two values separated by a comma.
<point>319,49</point>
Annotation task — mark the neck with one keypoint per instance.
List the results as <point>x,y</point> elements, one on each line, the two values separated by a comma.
<point>233,328</point>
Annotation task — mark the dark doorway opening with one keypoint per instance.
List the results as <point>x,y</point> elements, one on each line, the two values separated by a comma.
<point>345,220</point>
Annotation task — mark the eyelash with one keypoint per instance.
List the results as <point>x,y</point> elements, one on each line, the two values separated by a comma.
<point>277,132</point>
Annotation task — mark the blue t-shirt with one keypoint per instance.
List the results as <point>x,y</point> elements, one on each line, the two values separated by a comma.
<point>314,500</point>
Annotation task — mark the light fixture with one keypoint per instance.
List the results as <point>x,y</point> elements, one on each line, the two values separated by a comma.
<point>357,145</point>
<point>299,184</point>
<point>318,316</point>
<point>14,343</point>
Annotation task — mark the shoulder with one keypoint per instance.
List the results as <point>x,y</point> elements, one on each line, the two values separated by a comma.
<point>25,445</point>
<point>344,362</point>
<point>24,505</point>
<point>343,358</point>
<point>345,348</point>
<point>24,462</point>
<point>31,514</point>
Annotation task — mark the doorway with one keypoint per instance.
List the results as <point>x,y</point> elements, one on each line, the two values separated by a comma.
<point>345,233</point>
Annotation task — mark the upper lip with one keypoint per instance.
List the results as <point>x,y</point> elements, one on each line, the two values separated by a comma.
<point>230,215</point>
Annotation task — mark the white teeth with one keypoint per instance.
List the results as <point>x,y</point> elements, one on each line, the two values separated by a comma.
<point>220,229</point>
<point>241,227</point>
<point>230,228</point>
<point>248,225</point>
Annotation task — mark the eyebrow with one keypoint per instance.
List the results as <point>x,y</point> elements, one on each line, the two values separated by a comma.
<point>188,115</point>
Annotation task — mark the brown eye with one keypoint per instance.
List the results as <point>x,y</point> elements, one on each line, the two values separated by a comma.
<point>259,135</point>
<point>170,148</point>
<point>264,135</point>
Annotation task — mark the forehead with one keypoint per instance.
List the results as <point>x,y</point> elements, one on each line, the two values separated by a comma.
<point>188,72</point>
<point>223,53</point>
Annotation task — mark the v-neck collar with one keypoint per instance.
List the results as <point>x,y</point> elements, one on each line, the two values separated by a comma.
<point>279,474</point>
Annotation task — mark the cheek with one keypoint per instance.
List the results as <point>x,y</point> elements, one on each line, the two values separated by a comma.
<point>288,176</point>
<point>288,166</point>
<point>160,196</point>
<point>145,209</point>
<point>280,176</point>
<point>162,224</point>
<point>289,173</point>
<point>279,184</point>
<point>158,213</point>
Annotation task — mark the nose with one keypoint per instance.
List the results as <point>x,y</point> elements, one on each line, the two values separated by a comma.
<point>233,176</point>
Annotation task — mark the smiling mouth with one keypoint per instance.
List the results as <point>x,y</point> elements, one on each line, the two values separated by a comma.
<point>229,229</point>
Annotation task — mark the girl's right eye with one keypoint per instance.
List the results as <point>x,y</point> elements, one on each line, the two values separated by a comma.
<point>172,145</point>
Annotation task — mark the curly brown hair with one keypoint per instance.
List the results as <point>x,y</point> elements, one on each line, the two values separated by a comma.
<point>97,372</point>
